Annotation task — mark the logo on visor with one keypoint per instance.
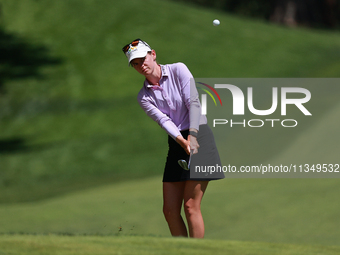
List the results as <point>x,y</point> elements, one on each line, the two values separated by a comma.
<point>132,48</point>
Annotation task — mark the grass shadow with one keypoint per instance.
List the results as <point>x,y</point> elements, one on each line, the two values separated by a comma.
<point>21,59</point>
<point>12,145</point>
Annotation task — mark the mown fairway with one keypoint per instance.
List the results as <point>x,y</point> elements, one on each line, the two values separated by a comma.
<point>101,245</point>
<point>300,211</point>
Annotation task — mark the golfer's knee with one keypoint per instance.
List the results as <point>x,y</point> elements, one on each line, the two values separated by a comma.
<point>191,208</point>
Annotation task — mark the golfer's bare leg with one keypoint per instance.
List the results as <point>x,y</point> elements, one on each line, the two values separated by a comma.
<point>173,199</point>
<point>193,194</point>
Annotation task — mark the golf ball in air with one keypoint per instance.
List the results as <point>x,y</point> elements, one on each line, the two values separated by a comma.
<point>216,22</point>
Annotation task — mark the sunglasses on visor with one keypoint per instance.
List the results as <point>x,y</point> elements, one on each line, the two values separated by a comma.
<point>134,43</point>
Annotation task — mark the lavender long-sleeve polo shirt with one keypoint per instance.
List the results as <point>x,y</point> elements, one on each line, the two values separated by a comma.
<point>174,104</point>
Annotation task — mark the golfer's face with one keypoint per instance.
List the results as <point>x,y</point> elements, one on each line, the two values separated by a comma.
<point>144,65</point>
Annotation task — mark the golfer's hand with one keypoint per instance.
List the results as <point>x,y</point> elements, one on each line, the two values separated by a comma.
<point>193,144</point>
<point>185,144</point>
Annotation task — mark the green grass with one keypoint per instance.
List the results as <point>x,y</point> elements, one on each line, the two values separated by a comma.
<point>296,211</point>
<point>52,244</point>
<point>80,125</point>
<point>81,164</point>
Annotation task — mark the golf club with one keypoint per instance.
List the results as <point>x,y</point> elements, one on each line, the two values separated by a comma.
<point>184,164</point>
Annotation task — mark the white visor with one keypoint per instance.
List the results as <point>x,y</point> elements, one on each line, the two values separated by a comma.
<point>138,51</point>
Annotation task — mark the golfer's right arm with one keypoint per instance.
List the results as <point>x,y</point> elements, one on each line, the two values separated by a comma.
<point>165,122</point>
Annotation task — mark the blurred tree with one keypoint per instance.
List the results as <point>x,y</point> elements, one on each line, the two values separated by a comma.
<point>312,13</point>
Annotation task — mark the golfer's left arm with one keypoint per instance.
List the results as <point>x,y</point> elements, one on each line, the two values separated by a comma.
<point>191,99</point>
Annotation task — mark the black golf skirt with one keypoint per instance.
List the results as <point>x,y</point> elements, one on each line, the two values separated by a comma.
<point>207,156</point>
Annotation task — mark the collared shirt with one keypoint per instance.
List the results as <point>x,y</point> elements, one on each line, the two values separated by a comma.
<point>169,102</point>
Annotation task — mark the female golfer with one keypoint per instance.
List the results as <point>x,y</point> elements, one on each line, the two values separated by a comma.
<point>168,99</point>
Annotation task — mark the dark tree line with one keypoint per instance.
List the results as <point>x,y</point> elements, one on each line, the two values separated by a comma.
<point>311,13</point>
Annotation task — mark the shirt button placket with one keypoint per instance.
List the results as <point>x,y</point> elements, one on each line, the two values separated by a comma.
<point>165,96</point>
